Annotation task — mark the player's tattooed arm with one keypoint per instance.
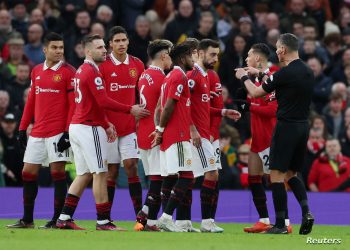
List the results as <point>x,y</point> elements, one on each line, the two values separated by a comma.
<point>157,113</point>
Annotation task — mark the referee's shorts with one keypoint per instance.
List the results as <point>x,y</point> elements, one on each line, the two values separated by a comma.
<point>288,146</point>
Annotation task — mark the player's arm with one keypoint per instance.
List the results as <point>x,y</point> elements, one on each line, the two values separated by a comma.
<point>70,98</point>
<point>157,113</point>
<point>229,113</point>
<point>265,111</point>
<point>253,90</point>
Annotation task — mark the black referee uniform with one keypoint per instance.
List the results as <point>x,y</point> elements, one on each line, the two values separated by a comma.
<point>293,85</point>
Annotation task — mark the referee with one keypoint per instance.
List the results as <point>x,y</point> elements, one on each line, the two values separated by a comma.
<point>293,85</point>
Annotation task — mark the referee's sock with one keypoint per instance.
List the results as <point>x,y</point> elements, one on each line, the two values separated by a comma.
<point>135,191</point>
<point>259,195</point>
<point>279,195</point>
<point>70,204</point>
<point>183,211</point>
<point>30,191</point>
<point>103,212</point>
<point>215,202</point>
<point>111,190</point>
<point>178,192</point>
<point>299,191</point>
<point>153,200</point>
<point>60,184</point>
<point>207,198</point>
<point>168,184</point>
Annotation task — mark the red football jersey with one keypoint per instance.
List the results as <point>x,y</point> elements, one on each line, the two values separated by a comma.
<point>91,98</point>
<point>175,86</point>
<point>216,101</point>
<point>121,81</point>
<point>262,120</point>
<point>149,87</point>
<point>200,100</point>
<point>50,100</point>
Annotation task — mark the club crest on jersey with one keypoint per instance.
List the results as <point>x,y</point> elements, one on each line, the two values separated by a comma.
<point>133,72</point>
<point>57,78</point>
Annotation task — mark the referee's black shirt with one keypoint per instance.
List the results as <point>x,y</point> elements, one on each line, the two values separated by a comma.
<point>293,85</point>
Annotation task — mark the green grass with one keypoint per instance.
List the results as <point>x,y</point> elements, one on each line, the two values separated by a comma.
<point>233,238</point>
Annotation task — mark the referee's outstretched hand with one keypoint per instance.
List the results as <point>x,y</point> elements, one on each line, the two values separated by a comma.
<point>22,139</point>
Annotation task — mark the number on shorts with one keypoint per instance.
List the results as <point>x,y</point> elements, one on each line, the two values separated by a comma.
<point>135,143</point>
<point>266,160</point>
<point>55,146</point>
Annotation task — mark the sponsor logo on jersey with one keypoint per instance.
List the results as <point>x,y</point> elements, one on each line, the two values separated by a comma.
<point>205,98</point>
<point>188,103</point>
<point>133,72</point>
<point>113,74</point>
<point>37,78</point>
<point>57,77</point>
<point>39,90</point>
<point>115,86</point>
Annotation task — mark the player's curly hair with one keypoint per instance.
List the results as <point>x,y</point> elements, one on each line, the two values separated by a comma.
<point>180,51</point>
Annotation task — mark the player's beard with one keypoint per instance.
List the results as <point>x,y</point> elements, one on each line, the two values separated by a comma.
<point>208,65</point>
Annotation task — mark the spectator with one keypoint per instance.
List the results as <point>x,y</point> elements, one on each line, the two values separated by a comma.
<point>12,155</point>
<point>322,88</point>
<point>130,10</point>
<point>271,40</point>
<point>4,103</point>
<point>37,16</point>
<point>271,22</point>
<point>340,88</point>
<point>205,6</point>
<point>140,39</point>
<point>330,170</point>
<point>298,29</point>
<point>309,48</point>
<point>52,15</point>
<point>6,30</point>
<point>320,11</point>
<point>78,55</point>
<point>159,16</point>
<point>334,117</point>
<point>20,18</point>
<point>242,164</point>
<point>104,15</point>
<point>99,29</point>
<point>333,45</point>
<point>184,21</point>
<point>34,48</point>
<point>337,73</point>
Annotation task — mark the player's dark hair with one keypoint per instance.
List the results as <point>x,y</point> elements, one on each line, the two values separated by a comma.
<point>50,37</point>
<point>192,42</point>
<point>89,39</point>
<point>116,30</point>
<point>180,51</point>
<point>290,41</point>
<point>261,48</point>
<point>158,45</point>
<point>206,43</point>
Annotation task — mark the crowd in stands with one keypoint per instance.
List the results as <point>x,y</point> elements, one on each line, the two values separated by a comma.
<point>322,26</point>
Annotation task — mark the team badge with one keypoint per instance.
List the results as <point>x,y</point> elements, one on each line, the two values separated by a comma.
<point>212,161</point>
<point>132,72</point>
<point>57,78</point>
<point>188,162</point>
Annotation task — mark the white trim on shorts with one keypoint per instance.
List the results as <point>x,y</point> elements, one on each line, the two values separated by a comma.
<point>44,151</point>
<point>151,161</point>
<point>125,147</point>
<point>203,158</point>
<point>265,159</point>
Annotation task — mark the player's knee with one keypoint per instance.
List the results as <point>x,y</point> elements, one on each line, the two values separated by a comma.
<point>31,168</point>
<point>131,168</point>
<point>290,174</point>
<point>57,166</point>
<point>212,175</point>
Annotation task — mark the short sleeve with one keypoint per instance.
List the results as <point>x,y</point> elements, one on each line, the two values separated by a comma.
<point>274,81</point>
<point>177,86</point>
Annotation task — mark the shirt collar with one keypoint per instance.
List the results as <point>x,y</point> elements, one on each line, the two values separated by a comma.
<point>200,69</point>
<point>91,63</point>
<point>156,68</point>
<point>54,67</point>
<point>179,68</point>
<point>116,62</point>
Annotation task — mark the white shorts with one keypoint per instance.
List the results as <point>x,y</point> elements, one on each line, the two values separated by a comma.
<point>89,144</point>
<point>217,153</point>
<point>151,161</point>
<point>265,156</point>
<point>44,151</point>
<point>178,157</point>
<point>125,147</point>
<point>203,158</point>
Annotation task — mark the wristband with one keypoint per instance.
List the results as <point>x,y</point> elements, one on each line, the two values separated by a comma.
<point>160,129</point>
<point>244,78</point>
<point>262,74</point>
<point>223,112</point>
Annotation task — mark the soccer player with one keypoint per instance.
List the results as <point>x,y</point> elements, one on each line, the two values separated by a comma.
<point>294,86</point>
<point>204,161</point>
<point>149,87</point>
<point>121,73</point>
<point>50,104</point>
<point>173,132</point>
<point>90,131</point>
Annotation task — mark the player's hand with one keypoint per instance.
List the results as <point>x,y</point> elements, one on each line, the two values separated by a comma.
<point>211,139</point>
<point>242,105</point>
<point>111,133</point>
<point>64,143</point>
<point>22,139</point>
<point>240,72</point>
<point>195,136</point>
<point>232,114</point>
<point>213,94</point>
<point>252,71</point>
<point>157,138</point>
<point>139,112</point>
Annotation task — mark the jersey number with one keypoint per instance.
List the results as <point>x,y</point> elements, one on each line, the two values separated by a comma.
<point>143,101</point>
<point>77,90</point>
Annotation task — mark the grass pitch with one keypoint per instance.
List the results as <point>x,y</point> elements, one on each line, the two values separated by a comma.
<point>233,238</point>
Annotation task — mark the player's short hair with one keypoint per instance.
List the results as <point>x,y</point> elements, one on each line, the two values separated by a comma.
<point>290,41</point>
<point>192,42</point>
<point>116,30</point>
<point>89,39</point>
<point>206,43</point>
<point>261,48</point>
<point>179,51</point>
<point>158,45</point>
<point>52,36</point>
